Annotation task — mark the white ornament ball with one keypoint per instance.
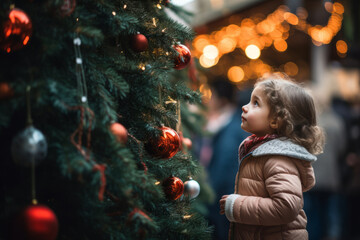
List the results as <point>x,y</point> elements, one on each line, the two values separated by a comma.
<point>191,188</point>
<point>29,145</point>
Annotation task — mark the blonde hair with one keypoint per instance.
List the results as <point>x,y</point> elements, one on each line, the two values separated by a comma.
<point>294,109</point>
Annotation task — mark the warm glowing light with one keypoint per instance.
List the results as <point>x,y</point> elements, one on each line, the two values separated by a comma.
<point>142,66</point>
<point>211,51</point>
<point>259,68</point>
<point>227,45</point>
<point>114,13</point>
<point>200,42</point>
<point>248,22</point>
<point>259,42</point>
<point>338,8</point>
<point>233,30</point>
<point>291,18</point>
<point>266,26</point>
<point>207,62</point>
<point>255,33</point>
<point>280,45</point>
<point>252,52</point>
<point>302,13</point>
<point>236,74</point>
<point>158,6</point>
<point>187,216</point>
<point>276,34</point>
<point>267,40</point>
<point>326,35</point>
<point>291,69</point>
<point>157,182</point>
<point>329,7</point>
<point>341,46</point>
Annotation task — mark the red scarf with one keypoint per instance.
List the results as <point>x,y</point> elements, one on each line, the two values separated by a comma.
<point>252,142</point>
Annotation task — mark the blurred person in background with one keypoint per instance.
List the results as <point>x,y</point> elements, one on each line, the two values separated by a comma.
<point>323,203</point>
<point>350,112</point>
<point>219,149</point>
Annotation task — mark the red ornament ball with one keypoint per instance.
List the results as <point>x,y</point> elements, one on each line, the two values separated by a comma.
<point>173,188</point>
<point>166,145</point>
<point>16,31</point>
<point>36,222</point>
<point>120,132</point>
<point>5,91</point>
<point>139,43</point>
<point>183,58</point>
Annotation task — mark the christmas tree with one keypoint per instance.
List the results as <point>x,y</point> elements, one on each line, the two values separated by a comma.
<point>94,124</point>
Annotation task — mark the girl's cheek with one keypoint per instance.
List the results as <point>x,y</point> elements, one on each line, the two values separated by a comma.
<point>250,119</point>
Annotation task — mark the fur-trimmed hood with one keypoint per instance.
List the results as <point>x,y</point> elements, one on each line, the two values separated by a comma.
<point>284,147</point>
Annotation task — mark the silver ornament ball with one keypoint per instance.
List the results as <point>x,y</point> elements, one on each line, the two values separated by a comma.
<point>191,188</point>
<point>29,145</point>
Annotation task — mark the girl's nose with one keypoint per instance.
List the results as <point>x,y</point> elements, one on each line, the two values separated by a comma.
<point>244,108</point>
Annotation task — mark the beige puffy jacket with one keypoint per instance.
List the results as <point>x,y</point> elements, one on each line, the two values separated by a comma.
<point>268,199</point>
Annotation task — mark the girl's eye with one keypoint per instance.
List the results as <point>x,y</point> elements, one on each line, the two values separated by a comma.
<point>256,103</point>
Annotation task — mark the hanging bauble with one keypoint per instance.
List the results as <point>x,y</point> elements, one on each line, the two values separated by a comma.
<point>36,222</point>
<point>166,145</point>
<point>183,58</point>
<point>29,145</point>
<point>120,132</point>
<point>5,91</point>
<point>139,42</point>
<point>191,188</point>
<point>67,7</point>
<point>173,188</point>
<point>16,31</point>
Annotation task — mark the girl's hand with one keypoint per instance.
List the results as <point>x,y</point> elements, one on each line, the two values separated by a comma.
<point>222,204</point>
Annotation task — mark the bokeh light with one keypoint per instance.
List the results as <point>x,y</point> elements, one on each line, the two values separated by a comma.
<point>211,52</point>
<point>280,45</point>
<point>255,33</point>
<point>207,62</point>
<point>236,74</point>
<point>252,51</point>
<point>291,69</point>
<point>341,46</point>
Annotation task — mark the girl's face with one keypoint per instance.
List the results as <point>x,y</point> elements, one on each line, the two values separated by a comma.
<point>255,116</point>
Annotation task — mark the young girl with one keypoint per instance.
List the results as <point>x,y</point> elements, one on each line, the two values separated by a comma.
<point>275,164</point>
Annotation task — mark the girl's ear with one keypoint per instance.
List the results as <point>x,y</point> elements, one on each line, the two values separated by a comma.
<point>274,123</point>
